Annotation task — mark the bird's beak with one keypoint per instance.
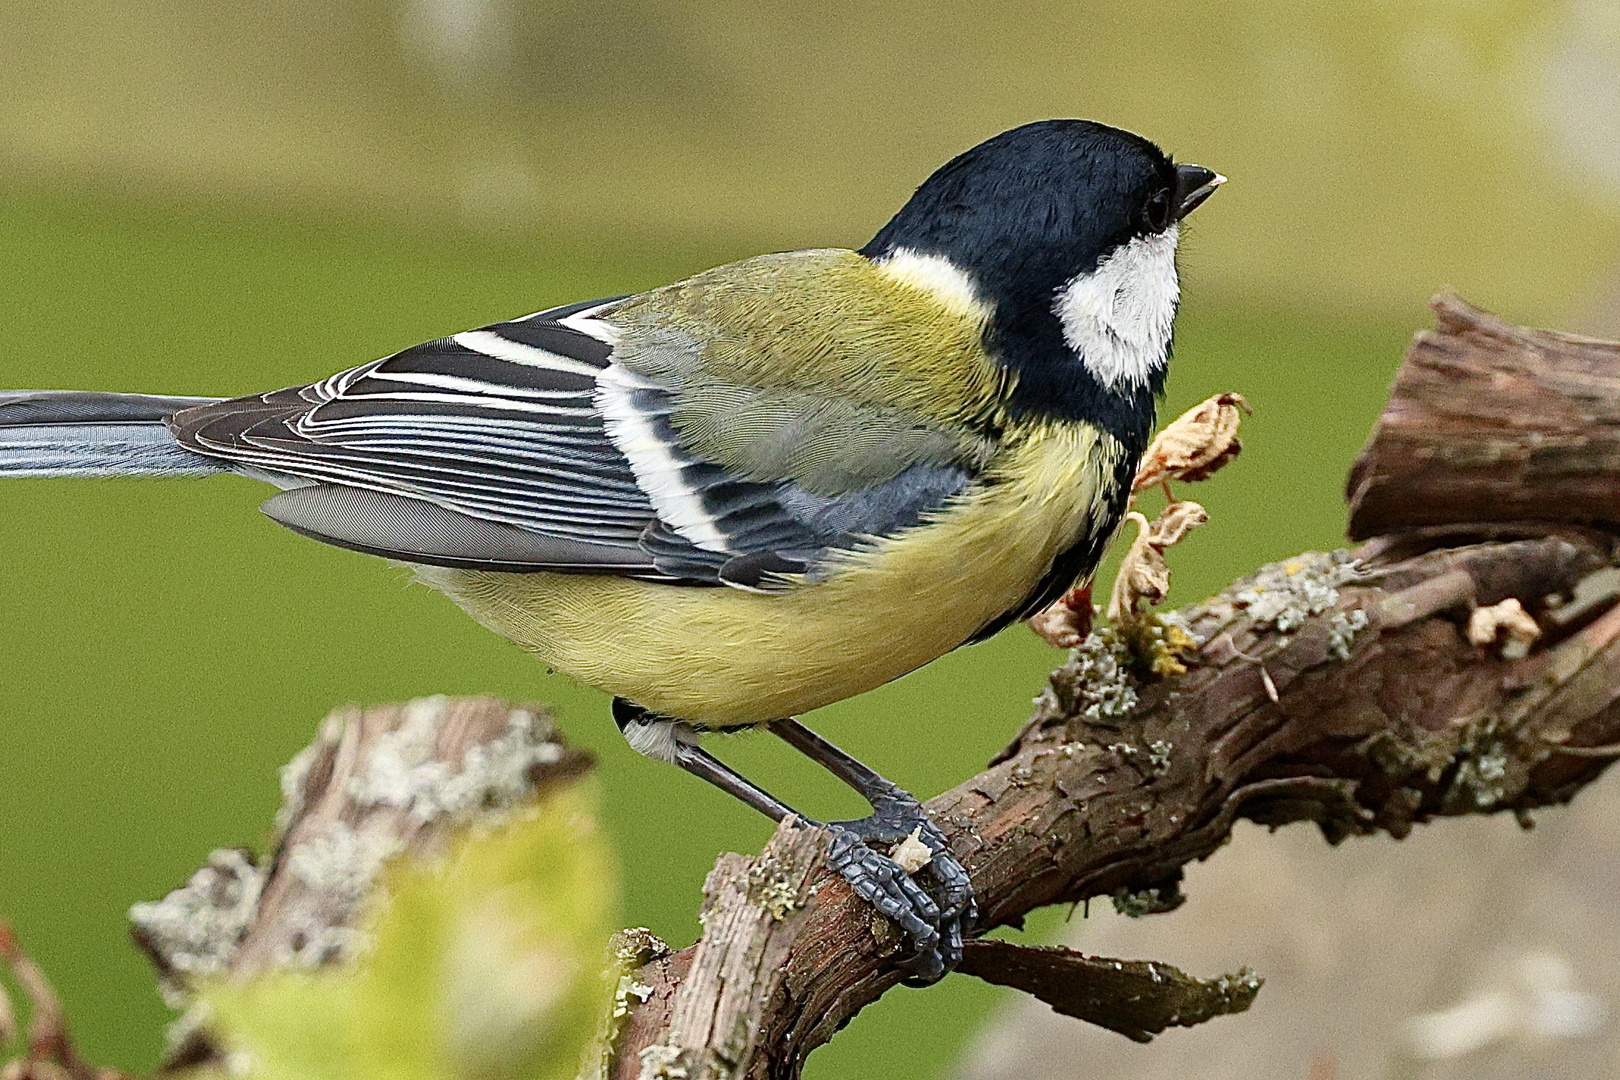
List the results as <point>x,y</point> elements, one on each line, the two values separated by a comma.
<point>1194,184</point>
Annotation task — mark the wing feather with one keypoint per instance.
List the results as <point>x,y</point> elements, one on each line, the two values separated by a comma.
<point>533,445</point>
<point>498,424</point>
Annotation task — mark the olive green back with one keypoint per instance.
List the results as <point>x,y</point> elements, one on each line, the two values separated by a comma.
<point>794,367</point>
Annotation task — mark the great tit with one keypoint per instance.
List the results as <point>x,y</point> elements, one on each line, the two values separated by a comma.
<point>768,487</point>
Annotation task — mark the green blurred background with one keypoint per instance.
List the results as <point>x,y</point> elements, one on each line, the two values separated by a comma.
<point>216,198</point>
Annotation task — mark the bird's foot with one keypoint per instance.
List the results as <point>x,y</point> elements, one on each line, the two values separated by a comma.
<point>936,921</point>
<point>884,884</point>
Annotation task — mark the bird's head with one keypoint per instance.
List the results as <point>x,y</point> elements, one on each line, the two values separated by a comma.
<point>1065,232</point>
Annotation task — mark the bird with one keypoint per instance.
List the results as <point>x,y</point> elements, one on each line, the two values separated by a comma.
<point>761,489</point>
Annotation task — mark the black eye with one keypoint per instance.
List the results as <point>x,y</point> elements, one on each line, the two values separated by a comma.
<point>1156,211</point>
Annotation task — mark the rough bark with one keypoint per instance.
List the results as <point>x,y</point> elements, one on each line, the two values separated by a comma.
<point>1491,422</point>
<point>1339,689</point>
<point>377,782</point>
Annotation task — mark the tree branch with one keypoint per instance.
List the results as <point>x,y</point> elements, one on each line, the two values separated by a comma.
<point>1337,688</point>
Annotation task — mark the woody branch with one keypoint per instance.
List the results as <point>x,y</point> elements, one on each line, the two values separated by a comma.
<point>1464,659</point>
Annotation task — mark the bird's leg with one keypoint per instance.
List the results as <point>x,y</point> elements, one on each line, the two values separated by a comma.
<point>875,877</point>
<point>896,814</point>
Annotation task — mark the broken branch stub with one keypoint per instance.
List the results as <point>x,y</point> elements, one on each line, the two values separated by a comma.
<point>1492,423</point>
<point>1137,998</point>
<point>377,783</point>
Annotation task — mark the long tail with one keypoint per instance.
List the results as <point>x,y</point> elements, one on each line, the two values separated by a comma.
<point>76,433</point>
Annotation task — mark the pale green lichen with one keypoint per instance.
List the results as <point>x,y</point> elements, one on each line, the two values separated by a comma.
<point>660,1061</point>
<point>403,770</point>
<point>627,987</point>
<point>338,868</point>
<point>1284,595</point>
<point>1098,675</point>
<point>1342,631</point>
<point>1154,760</point>
<point>1481,777</point>
<point>775,892</point>
<point>341,862</point>
<point>1241,987</point>
<point>1153,900</point>
<point>197,928</point>
<point>1472,748</point>
<point>1133,905</point>
<point>1159,755</point>
<point>630,951</point>
<point>294,776</point>
<point>315,939</point>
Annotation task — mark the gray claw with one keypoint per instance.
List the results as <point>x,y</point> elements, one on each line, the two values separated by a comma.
<point>935,920</point>
<point>936,945</point>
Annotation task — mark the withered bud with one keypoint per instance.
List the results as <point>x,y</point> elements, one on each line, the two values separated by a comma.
<point>1509,620</point>
<point>1144,575</point>
<point>1196,444</point>
<point>1066,623</point>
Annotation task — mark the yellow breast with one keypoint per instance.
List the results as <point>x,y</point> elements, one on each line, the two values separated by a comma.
<point>719,657</point>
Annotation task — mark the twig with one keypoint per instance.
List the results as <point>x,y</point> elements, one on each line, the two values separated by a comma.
<point>50,1054</point>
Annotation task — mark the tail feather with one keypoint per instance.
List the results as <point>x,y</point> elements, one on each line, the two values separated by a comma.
<point>76,433</point>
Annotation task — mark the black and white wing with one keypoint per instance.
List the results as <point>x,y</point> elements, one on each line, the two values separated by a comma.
<point>484,449</point>
<point>522,446</point>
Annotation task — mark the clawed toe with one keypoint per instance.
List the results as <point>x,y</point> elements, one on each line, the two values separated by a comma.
<point>900,816</point>
<point>935,919</point>
<point>933,926</point>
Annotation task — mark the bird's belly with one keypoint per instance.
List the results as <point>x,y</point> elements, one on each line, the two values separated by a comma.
<point>720,657</point>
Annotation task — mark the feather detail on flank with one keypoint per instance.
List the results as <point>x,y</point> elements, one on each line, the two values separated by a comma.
<point>949,284</point>
<point>658,464</point>
<point>1118,317</point>
<point>746,658</point>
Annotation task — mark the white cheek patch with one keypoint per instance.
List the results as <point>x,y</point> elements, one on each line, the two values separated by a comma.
<point>1118,317</point>
<point>950,285</point>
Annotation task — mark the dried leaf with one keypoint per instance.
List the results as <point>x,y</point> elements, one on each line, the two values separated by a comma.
<point>1196,444</point>
<point>1066,623</point>
<point>1143,574</point>
<point>1176,521</point>
<point>1137,998</point>
<point>1192,447</point>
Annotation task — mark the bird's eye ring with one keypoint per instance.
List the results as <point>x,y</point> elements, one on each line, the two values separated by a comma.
<point>1156,211</point>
